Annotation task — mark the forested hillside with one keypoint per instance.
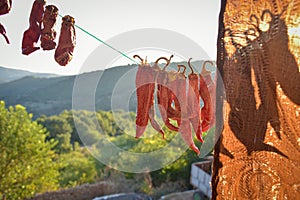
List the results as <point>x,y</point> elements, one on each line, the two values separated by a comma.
<point>70,162</point>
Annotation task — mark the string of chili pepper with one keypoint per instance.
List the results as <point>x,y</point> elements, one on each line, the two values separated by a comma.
<point>98,39</point>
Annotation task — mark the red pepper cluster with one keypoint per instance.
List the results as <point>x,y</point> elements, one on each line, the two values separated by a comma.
<point>41,23</point>
<point>178,98</point>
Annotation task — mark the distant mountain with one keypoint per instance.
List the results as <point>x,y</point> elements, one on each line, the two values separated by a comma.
<point>51,96</point>
<point>7,75</point>
<point>112,88</point>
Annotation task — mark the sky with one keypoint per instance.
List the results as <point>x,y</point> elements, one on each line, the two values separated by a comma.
<point>195,19</point>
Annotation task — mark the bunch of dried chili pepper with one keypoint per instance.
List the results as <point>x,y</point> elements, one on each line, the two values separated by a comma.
<point>41,23</point>
<point>178,99</point>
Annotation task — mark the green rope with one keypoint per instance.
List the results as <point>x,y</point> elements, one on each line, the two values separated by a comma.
<point>93,36</point>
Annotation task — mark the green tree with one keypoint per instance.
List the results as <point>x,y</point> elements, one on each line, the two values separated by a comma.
<point>86,125</point>
<point>55,125</point>
<point>77,167</point>
<point>59,130</point>
<point>26,158</point>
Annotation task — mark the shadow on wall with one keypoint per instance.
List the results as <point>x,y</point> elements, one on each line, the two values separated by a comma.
<point>255,70</point>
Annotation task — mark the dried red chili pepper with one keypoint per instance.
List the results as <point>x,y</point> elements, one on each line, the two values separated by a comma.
<point>174,108</point>
<point>179,90</point>
<point>145,85</point>
<point>32,34</point>
<point>206,93</point>
<point>193,98</point>
<point>3,32</point>
<point>67,41</point>
<point>212,90</point>
<point>163,92</point>
<point>48,33</point>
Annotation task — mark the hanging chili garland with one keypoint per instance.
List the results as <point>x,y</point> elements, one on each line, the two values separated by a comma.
<point>178,96</point>
<point>39,17</point>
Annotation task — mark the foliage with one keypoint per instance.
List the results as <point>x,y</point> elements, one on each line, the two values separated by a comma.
<point>56,125</point>
<point>178,170</point>
<point>69,131</point>
<point>86,125</point>
<point>59,130</point>
<point>76,167</point>
<point>26,159</point>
